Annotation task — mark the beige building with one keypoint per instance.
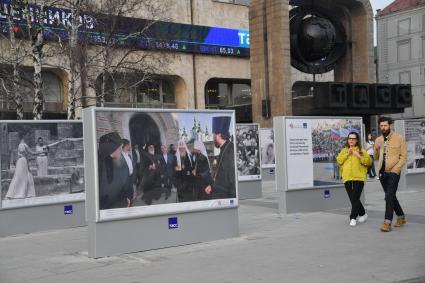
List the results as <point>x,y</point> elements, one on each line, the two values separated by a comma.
<point>183,80</point>
<point>401,49</point>
<point>187,80</point>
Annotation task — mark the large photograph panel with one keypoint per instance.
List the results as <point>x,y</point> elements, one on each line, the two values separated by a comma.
<point>415,139</point>
<point>152,162</point>
<point>329,136</point>
<point>313,144</point>
<point>41,163</point>
<point>248,152</point>
<point>267,148</point>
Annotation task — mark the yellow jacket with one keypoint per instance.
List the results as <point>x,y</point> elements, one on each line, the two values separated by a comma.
<point>351,167</point>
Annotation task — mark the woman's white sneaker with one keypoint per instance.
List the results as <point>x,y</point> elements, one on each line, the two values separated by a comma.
<point>353,222</point>
<point>363,218</point>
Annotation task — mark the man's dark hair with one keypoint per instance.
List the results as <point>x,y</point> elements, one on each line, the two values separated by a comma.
<point>125,142</point>
<point>385,119</point>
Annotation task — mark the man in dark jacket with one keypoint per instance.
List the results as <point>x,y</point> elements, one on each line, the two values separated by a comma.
<point>148,168</point>
<point>224,176</point>
<point>167,166</point>
<point>131,166</point>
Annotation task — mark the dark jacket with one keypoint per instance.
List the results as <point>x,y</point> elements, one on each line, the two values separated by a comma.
<point>149,176</point>
<point>203,175</point>
<point>112,183</point>
<point>185,175</point>
<point>166,169</point>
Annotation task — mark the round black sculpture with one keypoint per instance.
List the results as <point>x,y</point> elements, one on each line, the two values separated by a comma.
<point>318,40</point>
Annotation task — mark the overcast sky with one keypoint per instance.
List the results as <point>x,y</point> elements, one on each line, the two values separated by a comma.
<point>378,4</point>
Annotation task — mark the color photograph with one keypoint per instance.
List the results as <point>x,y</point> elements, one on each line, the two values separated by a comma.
<point>329,137</point>
<point>152,159</point>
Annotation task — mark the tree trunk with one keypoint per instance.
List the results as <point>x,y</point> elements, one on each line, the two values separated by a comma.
<point>73,41</point>
<point>103,89</point>
<point>37,54</point>
<point>17,96</point>
<point>35,34</point>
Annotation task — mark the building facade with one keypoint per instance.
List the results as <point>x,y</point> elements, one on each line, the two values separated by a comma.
<point>187,80</point>
<point>401,49</point>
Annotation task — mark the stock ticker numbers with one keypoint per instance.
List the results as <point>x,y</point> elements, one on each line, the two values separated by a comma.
<point>134,32</point>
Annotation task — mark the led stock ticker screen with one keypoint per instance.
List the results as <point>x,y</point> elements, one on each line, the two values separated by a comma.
<point>128,32</point>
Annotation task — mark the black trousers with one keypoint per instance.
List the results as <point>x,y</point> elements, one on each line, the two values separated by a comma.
<point>354,190</point>
<point>389,182</point>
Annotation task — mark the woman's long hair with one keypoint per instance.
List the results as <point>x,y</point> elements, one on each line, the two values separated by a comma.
<point>357,137</point>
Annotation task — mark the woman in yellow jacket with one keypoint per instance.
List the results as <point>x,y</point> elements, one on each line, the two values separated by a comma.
<point>353,162</point>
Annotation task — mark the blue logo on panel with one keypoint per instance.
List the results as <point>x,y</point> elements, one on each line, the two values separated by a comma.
<point>172,223</point>
<point>67,209</point>
<point>327,194</point>
<point>305,125</point>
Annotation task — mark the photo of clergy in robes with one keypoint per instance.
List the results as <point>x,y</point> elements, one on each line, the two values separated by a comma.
<point>223,185</point>
<point>113,172</point>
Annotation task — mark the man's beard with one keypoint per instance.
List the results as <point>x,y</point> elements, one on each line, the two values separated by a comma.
<point>216,144</point>
<point>386,132</point>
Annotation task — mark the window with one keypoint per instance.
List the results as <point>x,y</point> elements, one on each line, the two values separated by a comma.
<point>230,94</point>
<point>52,86</point>
<point>403,51</point>
<point>423,22</point>
<point>135,89</point>
<point>403,27</point>
<point>404,77</point>
<point>423,47</point>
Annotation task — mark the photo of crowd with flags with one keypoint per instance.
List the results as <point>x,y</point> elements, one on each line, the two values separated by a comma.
<point>329,137</point>
<point>248,152</point>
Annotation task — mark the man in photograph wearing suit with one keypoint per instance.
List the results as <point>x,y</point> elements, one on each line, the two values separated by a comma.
<point>148,168</point>
<point>131,166</point>
<point>137,158</point>
<point>167,166</point>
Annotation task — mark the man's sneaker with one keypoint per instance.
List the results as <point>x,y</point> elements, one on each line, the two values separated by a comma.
<point>386,227</point>
<point>363,218</point>
<point>400,222</point>
<point>353,222</point>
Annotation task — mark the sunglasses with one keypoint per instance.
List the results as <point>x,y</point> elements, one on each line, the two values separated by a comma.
<point>353,139</point>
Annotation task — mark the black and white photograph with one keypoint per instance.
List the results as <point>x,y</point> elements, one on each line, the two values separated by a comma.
<point>152,159</point>
<point>248,152</point>
<point>41,163</point>
<point>415,139</point>
<point>267,148</point>
<point>329,137</point>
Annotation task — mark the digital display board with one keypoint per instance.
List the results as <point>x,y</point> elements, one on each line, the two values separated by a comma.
<point>131,32</point>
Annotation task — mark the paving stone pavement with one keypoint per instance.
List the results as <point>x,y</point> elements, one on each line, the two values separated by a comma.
<point>301,247</point>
